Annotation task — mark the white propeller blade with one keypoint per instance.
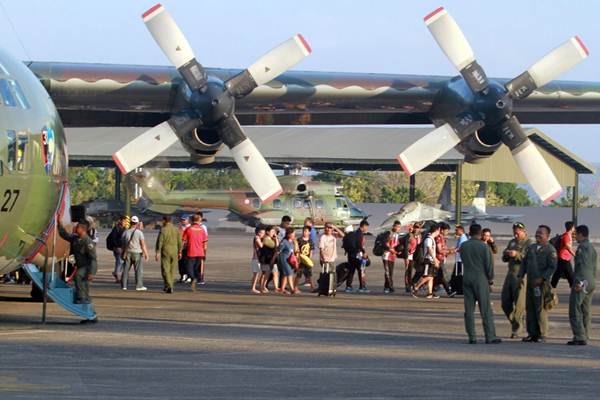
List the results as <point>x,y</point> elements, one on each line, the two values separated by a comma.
<point>558,61</point>
<point>428,149</point>
<point>145,147</point>
<point>450,38</point>
<point>168,36</point>
<point>536,171</point>
<point>256,171</point>
<point>279,59</point>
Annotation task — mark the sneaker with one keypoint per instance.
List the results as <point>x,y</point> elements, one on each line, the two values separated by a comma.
<point>306,284</point>
<point>452,294</point>
<point>184,278</point>
<point>141,289</point>
<point>576,342</point>
<point>494,341</point>
<point>364,290</point>
<point>433,296</point>
<point>169,290</point>
<point>188,280</point>
<point>392,290</point>
<point>415,294</point>
<point>124,288</point>
<point>349,289</point>
<point>387,291</point>
<point>202,282</point>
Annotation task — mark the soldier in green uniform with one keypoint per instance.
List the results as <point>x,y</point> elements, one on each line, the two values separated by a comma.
<point>580,301</point>
<point>539,263</point>
<point>513,290</point>
<point>84,250</point>
<point>478,276</point>
<point>168,250</point>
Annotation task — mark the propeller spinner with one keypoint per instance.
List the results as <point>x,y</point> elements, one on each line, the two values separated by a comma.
<point>492,108</point>
<point>212,104</point>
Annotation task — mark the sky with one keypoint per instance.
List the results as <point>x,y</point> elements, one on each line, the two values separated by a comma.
<point>378,36</point>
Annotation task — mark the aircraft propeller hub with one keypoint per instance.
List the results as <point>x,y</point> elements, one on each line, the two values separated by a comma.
<point>493,105</point>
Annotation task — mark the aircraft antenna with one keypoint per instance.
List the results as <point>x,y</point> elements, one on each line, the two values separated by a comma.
<point>15,31</point>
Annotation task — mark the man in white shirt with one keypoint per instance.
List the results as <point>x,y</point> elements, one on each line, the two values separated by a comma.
<point>430,264</point>
<point>328,254</point>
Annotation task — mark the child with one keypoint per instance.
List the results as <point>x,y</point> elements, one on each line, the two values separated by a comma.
<point>305,249</point>
<point>286,249</point>
<point>257,244</point>
<point>268,259</point>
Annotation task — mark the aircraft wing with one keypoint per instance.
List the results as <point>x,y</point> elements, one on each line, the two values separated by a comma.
<point>133,95</point>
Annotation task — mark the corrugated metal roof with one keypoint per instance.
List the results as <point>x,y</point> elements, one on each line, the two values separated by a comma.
<point>351,147</point>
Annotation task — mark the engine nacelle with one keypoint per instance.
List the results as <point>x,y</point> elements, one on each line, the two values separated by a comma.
<point>202,144</point>
<point>480,145</point>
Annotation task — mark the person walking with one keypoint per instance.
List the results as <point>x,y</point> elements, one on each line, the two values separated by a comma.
<point>565,255</point>
<point>257,244</point>
<point>286,249</point>
<point>184,223</point>
<point>134,251</point>
<point>514,289</point>
<point>84,250</point>
<point>356,253</point>
<point>538,265</point>
<point>195,238</point>
<point>305,249</point>
<point>582,289</point>
<point>114,243</point>
<point>430,264</point>
<point>389,257</point>
<point>478,276</point>
<point>328,254</point>
<point>168,251</point>
<point>412,240</point>
<point>202,266</point>
<point>442,252</point>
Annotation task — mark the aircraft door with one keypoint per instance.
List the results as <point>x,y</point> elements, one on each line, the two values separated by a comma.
<point>319,213</point>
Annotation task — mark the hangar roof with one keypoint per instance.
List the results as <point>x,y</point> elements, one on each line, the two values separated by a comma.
<point>332,147</point>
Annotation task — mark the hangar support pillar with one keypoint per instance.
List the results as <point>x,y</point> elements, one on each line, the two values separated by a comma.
<point>118,177</point>
<point>458,194</point>
<point>127,195</point>
<point>412,187</point>
<point>575,204</point>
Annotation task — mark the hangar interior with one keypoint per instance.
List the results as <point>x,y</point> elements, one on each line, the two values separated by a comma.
<point>339,147</point>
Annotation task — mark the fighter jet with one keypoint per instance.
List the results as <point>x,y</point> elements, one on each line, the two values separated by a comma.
<point>416,211</point>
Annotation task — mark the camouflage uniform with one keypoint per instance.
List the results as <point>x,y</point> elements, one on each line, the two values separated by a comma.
<point>513,295</point>
<point>168,244</point>
<point>539,262</point>
<point>84,250</point>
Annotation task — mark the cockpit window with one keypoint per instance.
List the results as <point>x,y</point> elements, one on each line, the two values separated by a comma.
<point>307,204</point>
<point>256,203</point>
<point>319,204</point>
<point>22,141</point>
<point>11,147</point>
<point>12,94</point>
<point>276,203</point>
<point>297,203</point>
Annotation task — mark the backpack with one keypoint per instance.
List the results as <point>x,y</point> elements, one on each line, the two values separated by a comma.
<point>555,241</point>
<point>403,245</point>
<point>349,243</point>
<point>380,245</point>
<point>419,255</point>
<point>110,240</point>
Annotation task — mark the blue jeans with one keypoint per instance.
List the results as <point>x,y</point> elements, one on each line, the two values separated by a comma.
<point>118,271</point>
<point>133,260</point>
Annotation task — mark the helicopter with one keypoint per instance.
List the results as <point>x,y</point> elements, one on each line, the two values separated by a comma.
<point>302,197</point>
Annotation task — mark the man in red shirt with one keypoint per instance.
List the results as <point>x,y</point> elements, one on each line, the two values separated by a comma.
<point>565,255</point>
<point>195,237</point>
<point>442,252</point>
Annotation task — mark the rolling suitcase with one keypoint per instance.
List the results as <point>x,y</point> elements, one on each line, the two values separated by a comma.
<point>456,281</point>
<point>342,271</point>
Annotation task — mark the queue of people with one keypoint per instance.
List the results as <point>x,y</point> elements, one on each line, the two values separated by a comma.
<point>280,259</point>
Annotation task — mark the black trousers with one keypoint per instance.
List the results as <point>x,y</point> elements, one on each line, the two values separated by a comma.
<point>563,269</point>
<point>354,267</point>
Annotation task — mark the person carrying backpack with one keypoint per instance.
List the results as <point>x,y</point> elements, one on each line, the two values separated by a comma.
<point>389,256</point>
<point>411,241</point>
<point>565,253</point>
<point>114,243</point>
<point>354,245</point>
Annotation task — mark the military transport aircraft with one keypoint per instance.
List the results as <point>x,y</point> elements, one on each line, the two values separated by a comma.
<point>415,211</point>
<point>201,108</point>
<point>301,198</point>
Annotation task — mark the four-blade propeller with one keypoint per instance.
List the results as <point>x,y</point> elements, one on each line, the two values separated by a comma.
<point>218,112</point>
<point>453,43</point>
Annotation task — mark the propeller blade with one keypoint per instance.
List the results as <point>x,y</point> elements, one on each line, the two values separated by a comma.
<point>530,161</point>
<point>550,67</point>
<point>428,149</point>
<point>145,147</point>
<point>269,66</point>
<point>251,163</point>
<point>453,43</point>
<point>173,43</point>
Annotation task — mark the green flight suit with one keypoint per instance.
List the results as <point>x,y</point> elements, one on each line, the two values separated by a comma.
<point>84,250</point>
<point>168,244</point>
<point>580,303</point>
<point>513,289</point>
<point>478,272</point>
<point>539,262</point>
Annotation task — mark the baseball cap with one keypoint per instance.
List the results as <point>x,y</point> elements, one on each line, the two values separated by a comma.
<point>519,225</point>
<point>135,219</point>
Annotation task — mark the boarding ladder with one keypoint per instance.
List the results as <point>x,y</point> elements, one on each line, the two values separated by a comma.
<point>60,292</point>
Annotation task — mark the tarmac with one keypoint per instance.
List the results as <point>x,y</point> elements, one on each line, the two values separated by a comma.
<point>222,342</point>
